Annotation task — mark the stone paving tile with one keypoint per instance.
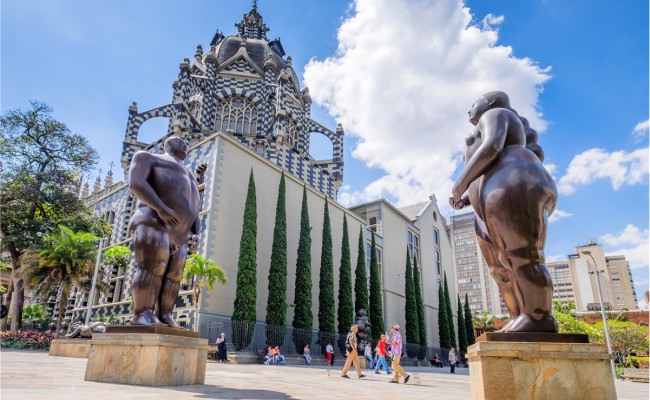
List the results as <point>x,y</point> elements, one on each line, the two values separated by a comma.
<point>28,375</point>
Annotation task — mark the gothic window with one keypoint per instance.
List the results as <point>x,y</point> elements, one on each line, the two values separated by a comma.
<point>236,114</point>
<point>292,134</point>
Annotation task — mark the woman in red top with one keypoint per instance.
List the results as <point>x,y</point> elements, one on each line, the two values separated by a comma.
<point>381,355</point>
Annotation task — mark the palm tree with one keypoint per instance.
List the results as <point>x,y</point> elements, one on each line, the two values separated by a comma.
<point>66,259</point>
<point>202,272</point>
<point>483,321</point>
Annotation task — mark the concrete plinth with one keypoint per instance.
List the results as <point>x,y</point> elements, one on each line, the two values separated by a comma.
<point>78,348</point>
<point>147,359</point>
<point>515,370</point>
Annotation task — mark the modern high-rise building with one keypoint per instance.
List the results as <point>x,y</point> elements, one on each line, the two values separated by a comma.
<point>473,274</point>
<point>574,279</point>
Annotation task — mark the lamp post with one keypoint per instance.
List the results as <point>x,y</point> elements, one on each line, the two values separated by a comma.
<point>93,286</point>
<point>602,307</point>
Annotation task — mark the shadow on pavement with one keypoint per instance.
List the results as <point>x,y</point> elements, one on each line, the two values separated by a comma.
<point>219,392</point>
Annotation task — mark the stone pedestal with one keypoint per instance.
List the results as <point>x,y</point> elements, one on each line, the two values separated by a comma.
<point>148,359</point>
<point>78,348</point>
<point>516,370</point>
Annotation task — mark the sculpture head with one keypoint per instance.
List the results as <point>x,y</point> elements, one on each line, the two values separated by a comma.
<point>494,99</point>
<point>361,313</point>
<point>176,147</point>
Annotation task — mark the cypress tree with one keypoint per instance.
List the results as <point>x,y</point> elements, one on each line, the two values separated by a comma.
<point>361,278</point>
<point>303,318</point>
<point>443,322</point>
<point>410,309</point>
<point>462,333</point>
<point>326,306</point>
<point>450,316</point>
<point>246,294</point>
<point>420,303</point>
<point>346,308</point>
<point>376,315</point>
<point>469,324</point>
<point>276,306</point>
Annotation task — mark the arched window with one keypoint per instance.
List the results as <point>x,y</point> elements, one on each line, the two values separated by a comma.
<point>236,114</point>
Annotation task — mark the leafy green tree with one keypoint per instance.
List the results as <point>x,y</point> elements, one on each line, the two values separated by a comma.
<point>33,312</point>
<point>346,309</point>
<point>484,320</point>
<point>276,305</point>
<point>41,161</point>
<point>450,315</point>
<point>326,306</point>
<point>627,338</point>
<point>64,260</point>
<point>361,278</point>
<point>412,330</point>
<point>469,325</point>
<point>443,320</point>
<point>420,303</point>
<point>118,256</point>
<point>244,313</point>
<point>201,272</point>
<point>462,332</point>
<point>376,314</point>
<point>302,317</point>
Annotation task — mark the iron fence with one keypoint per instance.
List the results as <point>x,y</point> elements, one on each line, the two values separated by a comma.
<point>253,337</point>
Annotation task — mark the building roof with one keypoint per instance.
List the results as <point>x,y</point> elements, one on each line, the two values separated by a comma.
<point>413,210</point>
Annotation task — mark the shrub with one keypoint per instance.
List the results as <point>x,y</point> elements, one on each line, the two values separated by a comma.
<point>26,340</point>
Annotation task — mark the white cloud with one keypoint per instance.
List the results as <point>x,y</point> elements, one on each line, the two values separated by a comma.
<point>641,130</point>
<point>631,242</point>
<point>403,78</point>
<point>558,215</point>
<point>621,167</point>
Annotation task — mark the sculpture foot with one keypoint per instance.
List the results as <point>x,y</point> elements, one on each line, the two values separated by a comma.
<point>524,323</point>
<point>145,318</point>
<point>167,319</point>
<point>507,325</point>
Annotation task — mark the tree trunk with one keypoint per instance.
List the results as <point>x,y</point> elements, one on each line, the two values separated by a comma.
<point>59,318</point>
<point>19,298</point>
<point>7,302</point>
<point>17,304</point>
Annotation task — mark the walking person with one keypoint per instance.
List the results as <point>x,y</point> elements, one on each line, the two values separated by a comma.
<point>396,341</point>
<point>221,346</point>
<point>381,356</point>
<point>351,353</point>
<point>305,353</point>
<point>453,359</point>
<point>368,353</point>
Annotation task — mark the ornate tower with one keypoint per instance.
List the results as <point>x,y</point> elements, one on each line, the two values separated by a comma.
<point>244,87</point>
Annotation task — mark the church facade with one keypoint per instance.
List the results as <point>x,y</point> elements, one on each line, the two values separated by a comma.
<point>241,109</point>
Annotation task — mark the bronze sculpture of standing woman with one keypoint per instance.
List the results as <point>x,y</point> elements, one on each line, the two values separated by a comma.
<point>512,195</point>
<point>165,226</point>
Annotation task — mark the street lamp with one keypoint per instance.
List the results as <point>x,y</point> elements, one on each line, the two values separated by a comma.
<point>93,286</point>
<point>602,307</point>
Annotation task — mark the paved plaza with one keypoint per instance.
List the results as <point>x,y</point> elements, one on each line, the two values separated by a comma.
<point>30,375</point>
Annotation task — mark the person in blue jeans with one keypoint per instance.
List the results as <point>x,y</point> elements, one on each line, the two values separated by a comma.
<point>277,357</point>
<point>381,356</point>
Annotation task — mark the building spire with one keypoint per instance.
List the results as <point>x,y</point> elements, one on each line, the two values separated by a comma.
<point>252,25</point>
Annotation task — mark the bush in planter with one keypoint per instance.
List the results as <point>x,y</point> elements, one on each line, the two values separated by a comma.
<point>26,340</point>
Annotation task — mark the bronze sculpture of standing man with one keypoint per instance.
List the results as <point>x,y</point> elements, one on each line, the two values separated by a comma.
<point>512,195</point>
<point>165,226</point>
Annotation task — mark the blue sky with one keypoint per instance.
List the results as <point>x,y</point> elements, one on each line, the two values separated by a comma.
<point>399,75</point>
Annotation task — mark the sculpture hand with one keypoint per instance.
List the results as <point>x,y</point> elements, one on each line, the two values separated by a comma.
<point>457,193</point>
<point>169,216</point>
<point>457,205</point>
